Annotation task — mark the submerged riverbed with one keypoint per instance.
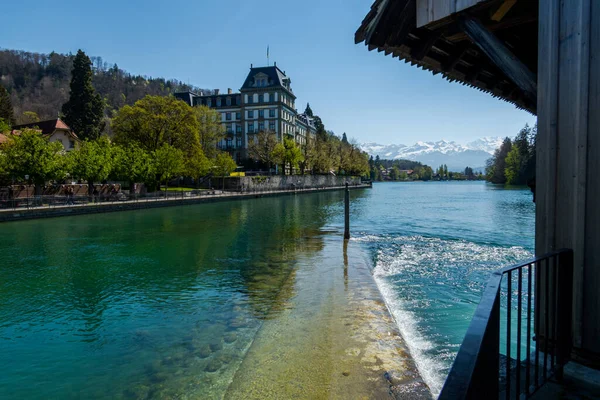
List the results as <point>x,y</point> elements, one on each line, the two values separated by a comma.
<point>253,299</point>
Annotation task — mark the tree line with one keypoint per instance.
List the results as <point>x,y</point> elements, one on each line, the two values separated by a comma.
<point>38,84</point>
<point>513,163</point>
<point>153,140</point>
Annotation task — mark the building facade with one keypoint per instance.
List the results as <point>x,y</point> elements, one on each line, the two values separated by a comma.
<point>265,102</point>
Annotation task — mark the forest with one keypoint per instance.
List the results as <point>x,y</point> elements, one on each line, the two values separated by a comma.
<point>38,84</point>
<point>513,163</point>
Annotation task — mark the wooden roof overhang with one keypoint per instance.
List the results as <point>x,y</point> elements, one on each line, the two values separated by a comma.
<point>491,46</point>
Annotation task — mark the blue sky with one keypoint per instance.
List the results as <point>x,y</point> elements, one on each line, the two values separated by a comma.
<point>211,44</point>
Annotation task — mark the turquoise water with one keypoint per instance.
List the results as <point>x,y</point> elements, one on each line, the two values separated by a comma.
<point>433,247</point>
<point>166,303</point>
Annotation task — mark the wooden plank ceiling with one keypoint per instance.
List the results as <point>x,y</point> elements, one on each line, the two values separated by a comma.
<point>444,48</point>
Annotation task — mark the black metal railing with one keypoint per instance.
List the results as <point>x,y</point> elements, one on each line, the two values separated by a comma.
<point>520,335</point>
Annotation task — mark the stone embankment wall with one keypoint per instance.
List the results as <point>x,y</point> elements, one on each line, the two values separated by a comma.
<point>287,182</point>
<point>18,214</point>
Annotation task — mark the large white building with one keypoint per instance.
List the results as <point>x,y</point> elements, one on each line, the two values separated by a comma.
<point>265,102</point>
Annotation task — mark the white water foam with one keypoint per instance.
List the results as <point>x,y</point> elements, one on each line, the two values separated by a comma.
<point>435,259</point>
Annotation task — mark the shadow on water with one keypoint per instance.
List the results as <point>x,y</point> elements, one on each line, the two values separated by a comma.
<point>152,303</point>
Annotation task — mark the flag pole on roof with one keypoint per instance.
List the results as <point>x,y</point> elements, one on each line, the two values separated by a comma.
<point>268,62</point>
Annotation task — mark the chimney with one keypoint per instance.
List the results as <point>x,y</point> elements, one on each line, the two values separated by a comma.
<point>229,91</point>
<point>251,66</point>
<point>275,64</point>
<point>201,93</point>
<point>216,91</point>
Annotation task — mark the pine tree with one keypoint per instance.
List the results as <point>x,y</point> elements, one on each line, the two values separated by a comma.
<point>344,138</point>
<point>6,108</point>
<point>85,109</point>
<point>308,111</point>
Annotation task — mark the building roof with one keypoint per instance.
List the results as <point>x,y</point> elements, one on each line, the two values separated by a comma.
<point>47,127</point>
<point>276,78</point>
<point>443,46</point>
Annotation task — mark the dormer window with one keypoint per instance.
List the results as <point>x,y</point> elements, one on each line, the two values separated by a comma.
<point>228,101</point>
<point>218,102</point>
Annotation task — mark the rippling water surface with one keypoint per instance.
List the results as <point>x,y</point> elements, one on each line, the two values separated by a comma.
<point>166,303</point>
<point>433,246</point>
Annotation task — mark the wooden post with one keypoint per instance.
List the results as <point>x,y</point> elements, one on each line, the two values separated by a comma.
<point>347,213</point>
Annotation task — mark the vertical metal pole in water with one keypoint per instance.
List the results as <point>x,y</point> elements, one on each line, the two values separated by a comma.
<point>347,213</point>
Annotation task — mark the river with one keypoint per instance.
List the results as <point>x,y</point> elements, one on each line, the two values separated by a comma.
<point>176,301</point>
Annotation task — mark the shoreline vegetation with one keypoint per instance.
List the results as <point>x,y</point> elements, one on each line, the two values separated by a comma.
<point>153,141</point>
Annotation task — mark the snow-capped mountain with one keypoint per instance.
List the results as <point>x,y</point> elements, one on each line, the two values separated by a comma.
<point>456,156</point>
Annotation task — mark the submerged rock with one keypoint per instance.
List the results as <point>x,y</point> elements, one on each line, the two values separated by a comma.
<point>216,346</point>
<point>204,351</point>
<point>230,337</point>
<point>213,366</point>
<point>138,392</point>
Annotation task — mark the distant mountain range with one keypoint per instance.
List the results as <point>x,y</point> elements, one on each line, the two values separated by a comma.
<point>456,156</point>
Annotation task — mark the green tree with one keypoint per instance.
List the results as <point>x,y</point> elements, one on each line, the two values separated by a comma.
<point>394,173</point>
<point>168,163</point>
<point>513,165</point>
<point>211,130</point>
<point>93,161</point>
<point>155,121</point>
<point>84,110</point>
<point>261,148</point>
<point>4,126</point>
<point>344,138</point>
<point>308,111</point>
<point>31,154</point>
<point>29,117</point>
<point>224,165</point>
<point>292,154</point>
<point>197,164</point>
<point>6,108</point>
<point>496,166</point>
<point>309,153</point>
<point>402,176</point>
<point>132,164</point>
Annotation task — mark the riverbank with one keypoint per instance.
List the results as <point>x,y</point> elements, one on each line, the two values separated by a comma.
<point>334,338</point>
<point>37,212</point>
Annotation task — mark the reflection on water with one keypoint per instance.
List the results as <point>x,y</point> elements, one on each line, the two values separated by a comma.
<point>147,304</point>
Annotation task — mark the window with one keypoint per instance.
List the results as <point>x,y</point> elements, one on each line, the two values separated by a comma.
<point>261,98</point>
<point>209,102</point>
<point>238,116</point>
<point>272,113</point>
<point>238,129</point>
<point>261,113</point>
<point>238,100</point>
<point>228,116</point>
<point>272,126</point>
<point>229,143</point>
<point>238,143</point>
<point>218,102</point>
<point>261,126</point>
<point>250,98</point>
<point>251,114</point>
<point>228,101</point>
<point>229,128</point>
<point>250,127</point>
<point>71,144</point>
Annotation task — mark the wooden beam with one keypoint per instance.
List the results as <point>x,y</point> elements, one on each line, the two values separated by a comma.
<point>454,58</point>
<point>503,10</point>
<point>501,56</point>
<point>425,44</point>
<point>508,23</point>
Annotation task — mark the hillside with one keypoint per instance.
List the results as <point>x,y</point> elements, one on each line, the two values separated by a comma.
<point>40,83</point>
